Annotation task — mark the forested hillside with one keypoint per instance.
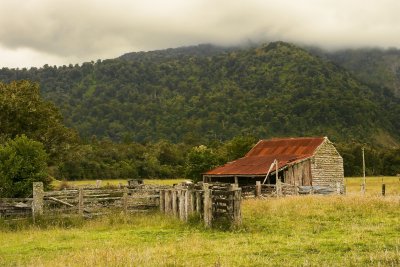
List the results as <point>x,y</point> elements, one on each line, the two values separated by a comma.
<point>377,67</point>
<point>200,94</point>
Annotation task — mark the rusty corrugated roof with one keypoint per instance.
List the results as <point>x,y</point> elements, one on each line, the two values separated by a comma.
<point>258,160</point>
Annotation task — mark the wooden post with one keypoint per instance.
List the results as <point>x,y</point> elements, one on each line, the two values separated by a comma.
<point>80,201</point>
<point>181,194</point>
<point>198,202</point>
<point>383,190</point>
<point>187,204</point>
<point>125,200</point>
<point>236,180</point>
<point>162,200</point>
<point>278,181</point>
<point>37,203</point>
<point>363,188</point>
<point>207,206</point>
<point>168,204</point>
<point>192,201</point>
<point>237,213</point>
<point>338,188</point>
<point>174,204</point>
<point>98,183</point>
<point>258,189</point>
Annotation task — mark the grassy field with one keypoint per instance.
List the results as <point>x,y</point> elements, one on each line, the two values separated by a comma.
<point>310,230</point>
<point>373,185</point>
<point>291,231</point>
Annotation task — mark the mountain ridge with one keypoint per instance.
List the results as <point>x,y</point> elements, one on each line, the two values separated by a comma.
<point>213,93</point>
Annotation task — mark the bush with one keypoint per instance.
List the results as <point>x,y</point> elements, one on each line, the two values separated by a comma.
<point>22,161</point>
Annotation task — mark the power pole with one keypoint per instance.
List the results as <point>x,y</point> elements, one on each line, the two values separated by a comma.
<point>364,181</point>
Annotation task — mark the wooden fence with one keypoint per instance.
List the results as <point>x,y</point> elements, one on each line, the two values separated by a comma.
<point>284,189</point>
<point>212,202</point>
<point>86,202</point>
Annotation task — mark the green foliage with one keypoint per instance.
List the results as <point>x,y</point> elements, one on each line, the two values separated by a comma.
<point>378,160</point>
<point>199,160</point>
<point>237,147</point>
<point>203,94</point>
<point>104,159</point>
<point>22,111</point>
<point>22,161</point>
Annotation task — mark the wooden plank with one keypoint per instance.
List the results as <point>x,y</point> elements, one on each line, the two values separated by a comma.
<point>162,200</point>
<point>80,201</point>
<point>60,201</point>
<point>207,206</point>
<point>174,203</point>
<point>258,189</point>
<point>225,201</point>
<point>125,200</point>
<point>181,196</point>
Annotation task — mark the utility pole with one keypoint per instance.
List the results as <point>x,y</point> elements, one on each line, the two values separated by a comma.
<point>364,181</point>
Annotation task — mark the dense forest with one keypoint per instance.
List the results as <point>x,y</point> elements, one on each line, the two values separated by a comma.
<point>374,66</point>
<point>165,113</point>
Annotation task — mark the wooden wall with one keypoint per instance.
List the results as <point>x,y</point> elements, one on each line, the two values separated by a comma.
<point>299,173</point>
<point>327,166</point>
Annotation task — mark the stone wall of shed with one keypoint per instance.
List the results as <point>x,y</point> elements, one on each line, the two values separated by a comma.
<point>327,166</point>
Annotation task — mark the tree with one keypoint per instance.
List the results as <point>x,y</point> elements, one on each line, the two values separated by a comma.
<point>200,159</point>
<point>238,147</point>
<point>23,111</point>
<point>22,161</point>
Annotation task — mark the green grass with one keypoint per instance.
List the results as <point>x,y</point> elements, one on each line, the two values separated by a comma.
<point>374,185</point>
<point>291,231</point>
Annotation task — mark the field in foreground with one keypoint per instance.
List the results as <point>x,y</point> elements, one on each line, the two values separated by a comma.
<point>308,230</point>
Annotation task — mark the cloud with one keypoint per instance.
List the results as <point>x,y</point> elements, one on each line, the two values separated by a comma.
<point>62,32</point>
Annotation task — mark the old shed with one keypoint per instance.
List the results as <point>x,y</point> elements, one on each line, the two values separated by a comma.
<point>300,161</point>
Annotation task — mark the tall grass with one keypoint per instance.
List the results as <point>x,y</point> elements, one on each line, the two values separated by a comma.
<point>291,231</point>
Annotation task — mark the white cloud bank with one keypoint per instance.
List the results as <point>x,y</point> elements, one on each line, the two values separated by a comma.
<point>36,32</point>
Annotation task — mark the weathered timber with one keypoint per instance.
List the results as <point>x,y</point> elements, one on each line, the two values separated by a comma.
<point>258,189</point>
<point>80,201</point>
<point>59,201</point>
<point>125,200</point>
<point>162,200</point>
<point>37,203</point>
<point>174,203</point>
<point>207,215</point>
<point>181,194</point>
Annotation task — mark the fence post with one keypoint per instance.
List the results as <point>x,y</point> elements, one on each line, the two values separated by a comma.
<point>187,204</point>
<point>198,202</point>
<point>258,189</point>
<point>37,203</point>
<point>278,188</point>
<point>181,194</point>
<point>237,213</point>
<point>168,206</point>
<point>125,200</point>
<point>80,201</point>
<point>207,206</point>
<point>162,200</point>
<point>174,204</point>
<point>383,190</point>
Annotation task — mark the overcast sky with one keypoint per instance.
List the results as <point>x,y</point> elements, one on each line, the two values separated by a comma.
<point>57,32</point>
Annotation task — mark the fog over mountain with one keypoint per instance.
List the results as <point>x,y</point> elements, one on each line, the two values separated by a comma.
<point>34,33</point>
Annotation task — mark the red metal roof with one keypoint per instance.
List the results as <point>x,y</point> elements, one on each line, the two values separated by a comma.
<point>258,160</point>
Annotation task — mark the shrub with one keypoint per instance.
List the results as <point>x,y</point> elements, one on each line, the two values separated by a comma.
<point>22,161</point>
